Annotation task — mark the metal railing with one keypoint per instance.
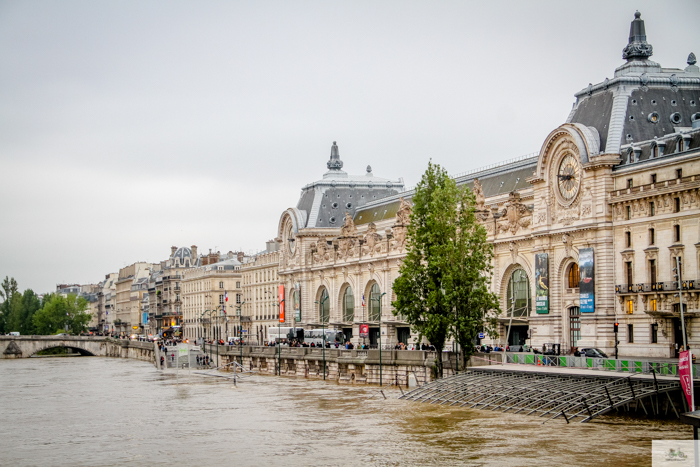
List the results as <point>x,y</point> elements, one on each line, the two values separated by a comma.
<point>666,286</point>
<point>621,365</point>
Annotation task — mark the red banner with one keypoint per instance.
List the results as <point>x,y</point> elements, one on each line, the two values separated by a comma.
<point>685,370</point>
<point>281,298</point>
<point>364,330</point>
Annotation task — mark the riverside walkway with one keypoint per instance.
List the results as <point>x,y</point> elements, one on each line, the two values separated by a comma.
<point>574,394</point>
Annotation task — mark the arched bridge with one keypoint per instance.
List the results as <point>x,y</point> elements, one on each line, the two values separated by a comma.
<point>571,396</point>
<point>27,346</point>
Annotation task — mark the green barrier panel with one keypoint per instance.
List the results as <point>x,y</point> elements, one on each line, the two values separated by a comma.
<point>664,369</point>
<point>589,362</point>
<point>609,364</point>
<point>515,359</point>
<point>530,359</point>
<point>624,364</point>
<point>638,367</point>
<point>562,361</point>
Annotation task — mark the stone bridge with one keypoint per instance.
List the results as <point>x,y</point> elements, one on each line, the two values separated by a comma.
<point>27,346</point>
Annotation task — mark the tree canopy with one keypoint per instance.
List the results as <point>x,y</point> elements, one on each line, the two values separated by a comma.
<point>442,289</point>
<point>59,313</point>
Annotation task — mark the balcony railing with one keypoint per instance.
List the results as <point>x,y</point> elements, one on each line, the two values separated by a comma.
<point>668,286</point>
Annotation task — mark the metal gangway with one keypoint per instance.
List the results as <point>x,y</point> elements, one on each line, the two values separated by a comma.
<point>239,372</point>
<point>549,395</point>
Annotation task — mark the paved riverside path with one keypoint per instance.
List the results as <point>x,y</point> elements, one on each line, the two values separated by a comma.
<point>574,394</point>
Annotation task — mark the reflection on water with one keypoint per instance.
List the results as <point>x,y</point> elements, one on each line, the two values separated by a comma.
<point>101,411</point>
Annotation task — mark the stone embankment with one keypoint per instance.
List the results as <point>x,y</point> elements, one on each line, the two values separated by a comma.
<point>345,366</point>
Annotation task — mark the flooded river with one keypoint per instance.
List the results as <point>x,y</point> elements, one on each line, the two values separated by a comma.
<point>101,411</point>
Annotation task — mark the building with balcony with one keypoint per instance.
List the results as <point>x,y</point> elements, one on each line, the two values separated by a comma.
<point>203,292</point>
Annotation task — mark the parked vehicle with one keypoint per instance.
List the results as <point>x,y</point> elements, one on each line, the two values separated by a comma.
<point>593,352</point>
<point>315,336</point>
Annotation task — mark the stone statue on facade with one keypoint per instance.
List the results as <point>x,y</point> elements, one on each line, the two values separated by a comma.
<point>479,195</point>
<point>515,215</point>
<point>371,240</point>
<point>403,215</point>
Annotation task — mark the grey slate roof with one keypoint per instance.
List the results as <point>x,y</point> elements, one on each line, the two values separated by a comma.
<point>326,201</point>
<point>621,109</point>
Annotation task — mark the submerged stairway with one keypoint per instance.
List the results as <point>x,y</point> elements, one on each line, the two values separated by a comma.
<point>572,396</point>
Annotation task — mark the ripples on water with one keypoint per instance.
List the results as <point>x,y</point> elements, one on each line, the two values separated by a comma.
<point>101,411</point>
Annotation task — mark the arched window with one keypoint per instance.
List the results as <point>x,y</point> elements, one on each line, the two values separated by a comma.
<point>574,277</point>
<point>518,294</point>
<point>324,307</point>
<point>374,305</point>
<point>348,305</point>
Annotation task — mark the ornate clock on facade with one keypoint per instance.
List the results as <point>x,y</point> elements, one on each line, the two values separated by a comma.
<point>291,241</point>
<point>568,178</point>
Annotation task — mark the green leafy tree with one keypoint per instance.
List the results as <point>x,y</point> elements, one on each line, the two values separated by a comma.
<point>8,289</point>
<point>420,293</point>
<point>60,312</point>
<point>470,272</point>
<point>442,289</point>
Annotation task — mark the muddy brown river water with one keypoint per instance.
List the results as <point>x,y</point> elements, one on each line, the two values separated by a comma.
<point>101,412</point>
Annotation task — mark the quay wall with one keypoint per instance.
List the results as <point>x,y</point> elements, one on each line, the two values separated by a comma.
<point>344,366</point>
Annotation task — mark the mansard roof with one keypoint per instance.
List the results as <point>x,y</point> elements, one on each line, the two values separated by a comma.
<point>325,202</point>
<point>643,101</point>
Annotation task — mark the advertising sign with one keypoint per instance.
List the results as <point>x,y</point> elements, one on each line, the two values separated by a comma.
<point>144,318</point>
<point>685,371</point>
<point>587,280</point>
<point>364,330</point>
<point>281,298</point>
<point>296,301</point>
<point>542,283</point>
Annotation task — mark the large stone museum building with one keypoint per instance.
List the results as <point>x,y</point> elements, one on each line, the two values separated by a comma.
<point>585,234</point>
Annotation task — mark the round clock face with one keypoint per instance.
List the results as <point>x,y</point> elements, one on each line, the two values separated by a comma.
<point>291,243</point>
<point>568,177</point>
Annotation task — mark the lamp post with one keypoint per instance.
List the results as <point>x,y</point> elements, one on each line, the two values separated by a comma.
<point>240,326</point>
<point>379,302</point>
<point>323,331</point>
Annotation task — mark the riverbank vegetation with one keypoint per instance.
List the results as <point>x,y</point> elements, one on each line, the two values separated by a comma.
<point>29,314</point>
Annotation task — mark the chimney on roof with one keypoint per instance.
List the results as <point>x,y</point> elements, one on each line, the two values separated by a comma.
<point>173,249</point>
<point>194,253</point>
<point>239,256</point>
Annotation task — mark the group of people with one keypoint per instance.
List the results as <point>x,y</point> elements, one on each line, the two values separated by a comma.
<point>496,348</point>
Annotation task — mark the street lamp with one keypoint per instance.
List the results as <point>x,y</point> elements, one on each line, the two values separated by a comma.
<point>279,338</point>
<point>323,331</point>
<point>379,302</point>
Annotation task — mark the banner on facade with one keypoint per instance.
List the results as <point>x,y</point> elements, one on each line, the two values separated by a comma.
<point>587,280</point>
<point>281,299</point>
<point>364,330</point>
<point>542,283</point>
<point>685,371</point>
<point>296,301</point>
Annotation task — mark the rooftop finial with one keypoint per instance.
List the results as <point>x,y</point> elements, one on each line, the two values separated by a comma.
<point>638,48</point>
<point>691,59</point>
<point>335,163</point>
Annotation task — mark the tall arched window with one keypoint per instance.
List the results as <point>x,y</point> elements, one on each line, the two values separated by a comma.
<point>518,295</point>
<point>574,277</point>
<point>324,307</point>
<point>348,305</point>
<point>374,306</point>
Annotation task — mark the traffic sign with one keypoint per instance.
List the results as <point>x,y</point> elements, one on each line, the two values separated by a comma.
<point>481,335</point>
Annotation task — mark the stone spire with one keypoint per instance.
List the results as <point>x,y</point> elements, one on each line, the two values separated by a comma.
<point>335,163</point>
<point>691,59</point>
<point>638,48</point>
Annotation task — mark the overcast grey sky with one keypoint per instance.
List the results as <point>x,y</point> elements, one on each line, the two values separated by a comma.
<point>130,126</point>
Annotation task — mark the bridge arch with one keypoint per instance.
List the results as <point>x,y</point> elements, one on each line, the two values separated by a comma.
<point>53,345</point>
